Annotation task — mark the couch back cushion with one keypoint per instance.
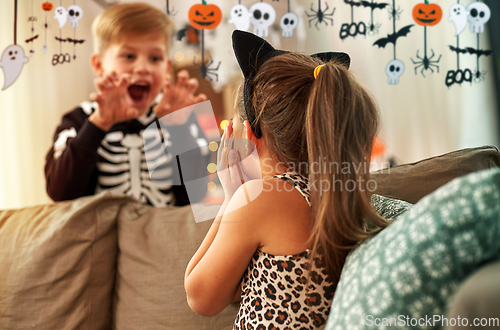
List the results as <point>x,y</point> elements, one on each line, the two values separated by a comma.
<point>57,264</point>
<point>411,182</point>
<point>155,246</point>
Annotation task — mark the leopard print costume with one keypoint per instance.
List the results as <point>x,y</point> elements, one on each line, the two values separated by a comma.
<point>274,287</point>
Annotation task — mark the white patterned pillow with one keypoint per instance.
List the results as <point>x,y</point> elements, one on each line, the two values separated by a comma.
<point>409,271</point>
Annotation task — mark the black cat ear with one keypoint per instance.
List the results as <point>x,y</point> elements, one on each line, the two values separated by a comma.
<point>338,57</point>
<point>251,51</point>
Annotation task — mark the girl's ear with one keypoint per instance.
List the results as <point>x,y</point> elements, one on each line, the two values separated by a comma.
<point>248,131</point>
<point>96,63</point>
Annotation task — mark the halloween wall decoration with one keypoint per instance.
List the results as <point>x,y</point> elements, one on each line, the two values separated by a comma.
<point>170,12</point>
<point>61,15</point>
<point>426,14</point>
<point>320,16</point>
<point>352,29</point>
<point>372,26</point>
<point>395,68</point>
<point>33,37</point>
<point>46,7</point>
<point>288,23</point>
<point>262,17</point>
<point>240,17</point>
<point>477,14</point>
<point>205,17</point>
<point>13,58</point>
<point>74,14</point>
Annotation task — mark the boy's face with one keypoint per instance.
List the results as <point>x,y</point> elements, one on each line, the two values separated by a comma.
<point>144,58</point>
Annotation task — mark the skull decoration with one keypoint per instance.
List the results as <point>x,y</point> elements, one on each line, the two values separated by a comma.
<point>394,70</point>
<point>75,14</point>
<point>240,17</point>
<point>262,16</point>
<point>479,14</point>
<point>288,23</point>
<point>61,15</point>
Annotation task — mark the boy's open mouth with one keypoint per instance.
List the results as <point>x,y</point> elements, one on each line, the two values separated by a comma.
<point>139,91</point>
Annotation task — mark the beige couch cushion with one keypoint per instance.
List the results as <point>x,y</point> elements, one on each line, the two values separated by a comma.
<point>57,264</point>
<point>411,182</point>
<point>155,246</point>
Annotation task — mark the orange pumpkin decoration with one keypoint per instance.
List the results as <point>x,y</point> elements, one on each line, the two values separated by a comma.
<point>47,6</point>
<point>204,17</point>
<point>427,14</point>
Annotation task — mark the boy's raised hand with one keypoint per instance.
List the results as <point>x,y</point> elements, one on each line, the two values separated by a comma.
<point>111,97</point>
<point>177,97</point>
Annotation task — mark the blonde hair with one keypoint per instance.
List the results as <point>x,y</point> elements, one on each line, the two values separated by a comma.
<point>119,21</point>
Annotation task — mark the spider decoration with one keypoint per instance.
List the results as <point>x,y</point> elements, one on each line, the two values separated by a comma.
<point>170,12</point>
<point>373,27</point>
<point>206,70</point>
<point>320,16</point>
<point>426,14</point>
<point>395,13</point>
<point>479,76</point>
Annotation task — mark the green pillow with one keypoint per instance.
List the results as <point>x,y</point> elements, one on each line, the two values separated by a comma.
<point>404,277</point>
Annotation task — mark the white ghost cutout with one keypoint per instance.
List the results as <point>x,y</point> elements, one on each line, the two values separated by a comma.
<point>240,17</point>
<point>75,14</point>
<point>288,23</point>
<point>394,70</point>
<point>262,16</point>
<point>479,14</point>
<point>61,16</point>
<point>12,63</point>
<point>458,15</point>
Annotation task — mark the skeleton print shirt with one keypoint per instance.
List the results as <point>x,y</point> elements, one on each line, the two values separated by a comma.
<point>274,287</point>
<point>130,158</point>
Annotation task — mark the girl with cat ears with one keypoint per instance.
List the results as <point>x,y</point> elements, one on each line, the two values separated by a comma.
<point>298,109</point>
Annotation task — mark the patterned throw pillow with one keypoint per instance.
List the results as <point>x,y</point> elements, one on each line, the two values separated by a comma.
<point>404,277</point>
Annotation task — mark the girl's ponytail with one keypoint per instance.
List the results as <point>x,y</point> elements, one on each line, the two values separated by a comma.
<point>341,123</point>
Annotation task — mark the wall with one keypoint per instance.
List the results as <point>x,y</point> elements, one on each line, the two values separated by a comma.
<point>421,117</point>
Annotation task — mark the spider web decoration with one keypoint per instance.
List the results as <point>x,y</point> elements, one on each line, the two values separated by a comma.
<point>427,15</point>
<point>205,17</point>
<point>352,29</point>
<point>395,68</point>
<point>373,27</point>
<point>288,23</point>
<point>320,16</point>
<point>13,59</point>
<point>477,14</point>
<point>46,7</point>
<point>33,37</point>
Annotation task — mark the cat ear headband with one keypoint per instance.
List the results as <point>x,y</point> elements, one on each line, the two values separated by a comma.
<point>251,52</point>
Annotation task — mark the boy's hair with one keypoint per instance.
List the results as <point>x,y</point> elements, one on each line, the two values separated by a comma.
<point>119,21</point>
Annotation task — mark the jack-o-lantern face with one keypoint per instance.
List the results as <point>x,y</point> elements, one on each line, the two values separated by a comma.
<point>47,6</point>
<point>205,17</point>
<point>427,14</point>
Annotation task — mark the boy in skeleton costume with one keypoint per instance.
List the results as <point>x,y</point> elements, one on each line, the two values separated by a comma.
<point>103,144</point>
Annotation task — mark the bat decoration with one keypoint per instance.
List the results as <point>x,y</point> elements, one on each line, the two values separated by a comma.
<point>75,41</point>
<point>205,17</point>
<point>372,26</point>
<point>191,34</point>
<point>395,68</point>
<point>426,15</point>
<point>392,38</point>
<point>458,50</point>
<point>320,16</point>
<point>352,29</point>
<point>13,59</point>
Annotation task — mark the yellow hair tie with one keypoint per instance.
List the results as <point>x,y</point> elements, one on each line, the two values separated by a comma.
<point>317,70</point>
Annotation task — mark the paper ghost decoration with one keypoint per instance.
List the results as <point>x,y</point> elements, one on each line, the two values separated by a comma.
<point>61,16</point>
<point>288,23</point>
<point>240,17</point>
<point>394,70</point>
<point>262,17</point>
<point>75,14</point>
<point>479,14</point>
<point>458,15</point>
<point>12,63</point>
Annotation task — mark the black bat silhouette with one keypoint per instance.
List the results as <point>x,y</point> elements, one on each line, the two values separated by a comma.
<point>352,3</point>
<point>60,40</point>
<point>181,33</point>
<point>31,39</point>
<point>392,38</point>
<point>76,41</point>
<point>458,50</point>
<point>374,5</point>
<point>478,52</point>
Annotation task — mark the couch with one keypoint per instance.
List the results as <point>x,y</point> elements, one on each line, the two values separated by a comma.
<point>108,262</point>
